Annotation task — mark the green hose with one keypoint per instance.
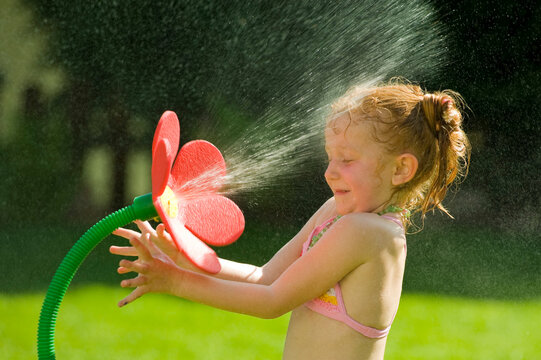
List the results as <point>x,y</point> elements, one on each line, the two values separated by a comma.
<point>142,208</point>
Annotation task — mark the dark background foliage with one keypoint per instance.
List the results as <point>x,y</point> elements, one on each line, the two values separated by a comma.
<point>213,61</point>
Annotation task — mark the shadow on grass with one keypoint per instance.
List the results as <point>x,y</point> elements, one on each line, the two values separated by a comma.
<point>442,259</point>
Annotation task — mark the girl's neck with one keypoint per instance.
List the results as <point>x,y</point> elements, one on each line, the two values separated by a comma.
<point>393,209</point>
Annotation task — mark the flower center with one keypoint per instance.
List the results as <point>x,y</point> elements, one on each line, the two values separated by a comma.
<point>169,202</point>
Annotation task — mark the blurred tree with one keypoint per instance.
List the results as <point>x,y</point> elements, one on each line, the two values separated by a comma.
<point>78,101</point>
<point>34,165</point>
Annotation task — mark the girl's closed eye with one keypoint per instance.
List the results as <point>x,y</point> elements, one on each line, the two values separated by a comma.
<point>341,160</point>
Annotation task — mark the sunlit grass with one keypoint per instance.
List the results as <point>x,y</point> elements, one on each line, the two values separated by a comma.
<point>437,327</point>
<point>90,326</point>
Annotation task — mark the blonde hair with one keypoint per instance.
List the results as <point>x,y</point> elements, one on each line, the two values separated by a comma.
<point>406,119</point>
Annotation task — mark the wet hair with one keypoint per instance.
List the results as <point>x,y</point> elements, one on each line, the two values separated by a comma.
<point>406,119</point>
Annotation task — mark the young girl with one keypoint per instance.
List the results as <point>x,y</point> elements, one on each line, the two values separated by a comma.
<point>392,149</point>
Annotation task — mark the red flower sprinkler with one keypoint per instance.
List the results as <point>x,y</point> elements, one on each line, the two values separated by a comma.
<point>185,197</point>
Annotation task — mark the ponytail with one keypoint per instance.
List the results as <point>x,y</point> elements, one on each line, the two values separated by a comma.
<point>444,119</point>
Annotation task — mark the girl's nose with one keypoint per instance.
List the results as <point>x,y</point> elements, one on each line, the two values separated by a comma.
<point>331,172</point>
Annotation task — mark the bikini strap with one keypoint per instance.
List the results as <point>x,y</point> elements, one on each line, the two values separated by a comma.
<point>318,232</point>
<point>404,213</point>
<point>393,219</point>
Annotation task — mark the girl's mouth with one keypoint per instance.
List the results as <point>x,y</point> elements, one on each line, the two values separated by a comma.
<point>341,192</point>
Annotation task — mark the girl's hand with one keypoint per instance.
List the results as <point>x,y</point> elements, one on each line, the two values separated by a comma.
<point>156,271</point>
<point>160,237</point>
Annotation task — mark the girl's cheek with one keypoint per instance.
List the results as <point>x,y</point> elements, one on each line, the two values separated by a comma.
<point>349,170</point>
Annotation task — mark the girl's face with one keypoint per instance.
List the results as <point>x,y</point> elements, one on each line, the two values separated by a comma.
<point>359,171</point>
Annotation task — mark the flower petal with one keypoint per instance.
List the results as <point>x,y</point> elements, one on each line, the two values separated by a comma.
<point>161,167</point>
<point>199,169</point>
<point>168,128</point>
<point>214,219</point>
<point>195,250</point>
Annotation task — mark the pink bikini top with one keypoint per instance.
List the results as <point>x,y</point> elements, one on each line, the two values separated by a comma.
<point>331,304</point>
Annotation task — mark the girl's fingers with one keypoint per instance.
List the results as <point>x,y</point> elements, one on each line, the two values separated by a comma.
<point>150,245</point>
<point>123,250</point>
<point>162,234</point>
<point>141,247</point>
<point>136,266</point>
<point>135,294</point>
<point>145,227</point>
<point>165,241</point>
<point>122,270</point>
<point>126,233</point>
<point>138,281</point>
<point>142,250</point>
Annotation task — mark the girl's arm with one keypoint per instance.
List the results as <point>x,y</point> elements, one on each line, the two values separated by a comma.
<point>162,239</point>
<point>230,270</point>
<point>292,250</point>
<point>345,246</point>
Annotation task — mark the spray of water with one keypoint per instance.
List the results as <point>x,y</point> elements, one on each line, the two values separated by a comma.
<point>298,65</point>
<point>275,149</point>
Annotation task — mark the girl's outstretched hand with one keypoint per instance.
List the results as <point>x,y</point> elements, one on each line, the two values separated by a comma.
<point>156,271</point>
<point>160,237</point>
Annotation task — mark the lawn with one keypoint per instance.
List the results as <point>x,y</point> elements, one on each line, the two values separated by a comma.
<point>469,293</point>
<point>90,326</point>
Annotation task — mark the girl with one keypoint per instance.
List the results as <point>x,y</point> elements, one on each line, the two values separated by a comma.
<point>392,149</point>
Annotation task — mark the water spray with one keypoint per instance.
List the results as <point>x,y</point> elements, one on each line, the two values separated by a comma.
<point>185,196</point>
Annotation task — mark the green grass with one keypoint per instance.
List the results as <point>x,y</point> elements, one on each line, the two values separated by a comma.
<point>90,326</point>
<point>438,327</point>
<point>483,300</point>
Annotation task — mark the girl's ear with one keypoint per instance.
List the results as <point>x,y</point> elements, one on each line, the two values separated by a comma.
<point>405,168</point>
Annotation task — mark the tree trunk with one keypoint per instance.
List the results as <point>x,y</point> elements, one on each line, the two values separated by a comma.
<point>78,112</point>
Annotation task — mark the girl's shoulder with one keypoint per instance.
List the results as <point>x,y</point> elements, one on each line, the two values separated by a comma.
<point>368,232</point>
<point>372,232</point>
